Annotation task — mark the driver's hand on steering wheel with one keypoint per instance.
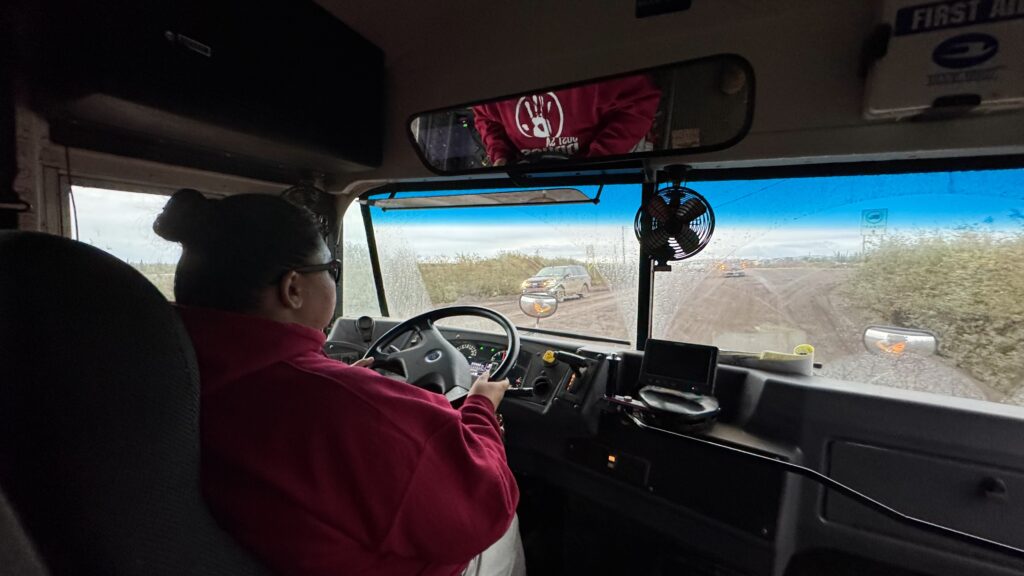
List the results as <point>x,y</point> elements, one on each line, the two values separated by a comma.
<point>492,390</point>
<point>363,363</point>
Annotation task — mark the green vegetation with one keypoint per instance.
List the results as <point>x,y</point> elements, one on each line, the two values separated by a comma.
<point>967,288</point>
<point>161,275</point>
<point>468,276</point>
<point>447,279</point>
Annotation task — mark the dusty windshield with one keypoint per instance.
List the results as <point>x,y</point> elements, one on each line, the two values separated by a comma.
<point>936,258</point>
<point>583,254</point>
<point>552,271</point>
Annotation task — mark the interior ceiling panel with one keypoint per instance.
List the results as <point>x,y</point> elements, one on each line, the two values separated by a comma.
<point>453,34</point>
<point>806,56</point>
<point>436,26</point>
<point>443,52</point>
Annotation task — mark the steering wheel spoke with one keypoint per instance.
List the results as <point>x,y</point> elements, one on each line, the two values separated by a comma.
<point>455,393</point>
<point>422,322</point>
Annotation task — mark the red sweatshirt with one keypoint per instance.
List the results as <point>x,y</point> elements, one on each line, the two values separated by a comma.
<point>599,119</point>
<point>321,468</point>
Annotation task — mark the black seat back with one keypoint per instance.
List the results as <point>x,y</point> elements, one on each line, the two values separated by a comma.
<point>99,415</point>
<point>17,554</point>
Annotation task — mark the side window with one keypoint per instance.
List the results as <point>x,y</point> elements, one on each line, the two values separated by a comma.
<point>121,223</point>
<point>358,294</point>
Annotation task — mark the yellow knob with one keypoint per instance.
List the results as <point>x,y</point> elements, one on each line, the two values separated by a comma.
<point>549,357</point>
<point>804,350</point>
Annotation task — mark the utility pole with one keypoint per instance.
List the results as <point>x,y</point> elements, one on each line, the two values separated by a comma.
<point>623,229</point>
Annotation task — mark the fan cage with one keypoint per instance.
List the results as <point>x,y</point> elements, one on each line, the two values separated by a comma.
<point>660,238</point>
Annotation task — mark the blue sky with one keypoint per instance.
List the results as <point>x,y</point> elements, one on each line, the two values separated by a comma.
<point>945,199</point>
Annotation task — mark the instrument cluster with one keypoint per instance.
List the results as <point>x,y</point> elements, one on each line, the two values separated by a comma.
<point>484,356</point>
<point>481,353</point>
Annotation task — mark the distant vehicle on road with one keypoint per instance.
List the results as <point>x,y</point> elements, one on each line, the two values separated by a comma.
<point>559,281</point>
<point>732,270</point>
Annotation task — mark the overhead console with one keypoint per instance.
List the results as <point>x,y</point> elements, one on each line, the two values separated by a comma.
<point>277,90</point>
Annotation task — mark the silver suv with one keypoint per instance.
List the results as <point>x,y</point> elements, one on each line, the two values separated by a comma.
<point>559,281</point>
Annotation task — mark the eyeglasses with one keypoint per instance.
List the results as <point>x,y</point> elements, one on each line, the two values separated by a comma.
<point>333,268</point>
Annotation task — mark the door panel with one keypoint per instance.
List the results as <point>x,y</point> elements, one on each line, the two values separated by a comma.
<point>975,498</point>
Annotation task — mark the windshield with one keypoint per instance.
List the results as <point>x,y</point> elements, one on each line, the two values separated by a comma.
<point>553,271</point>
<point>584,254</point>
<point>814,261</point>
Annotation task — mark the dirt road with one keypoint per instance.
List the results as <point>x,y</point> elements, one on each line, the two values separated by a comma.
<point>770,309</point>
<point>766,309</point>
<point>779,308</point>
<point>598,314</point>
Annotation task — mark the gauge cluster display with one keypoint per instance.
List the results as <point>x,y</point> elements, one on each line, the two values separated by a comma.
<point>484,356</point>
<point>481,353</point>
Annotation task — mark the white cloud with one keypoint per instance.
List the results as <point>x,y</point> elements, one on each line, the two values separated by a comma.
<point>122,223</point>
<point>608,242</point>
<point>430,240</point>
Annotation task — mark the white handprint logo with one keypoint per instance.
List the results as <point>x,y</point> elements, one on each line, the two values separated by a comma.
<point>539,116</point>
<point>538,113</point>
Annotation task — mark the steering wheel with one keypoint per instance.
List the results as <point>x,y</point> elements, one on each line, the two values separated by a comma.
<point>432,362</point>
<point>542,157</point>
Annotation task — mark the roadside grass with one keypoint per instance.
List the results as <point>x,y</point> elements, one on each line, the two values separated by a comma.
<point>967,288</point>
<point>468,276</point>
<point>161,275</point>
<point>448,280</point>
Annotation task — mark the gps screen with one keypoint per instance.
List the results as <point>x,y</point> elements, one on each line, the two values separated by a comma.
<point>687,367</point>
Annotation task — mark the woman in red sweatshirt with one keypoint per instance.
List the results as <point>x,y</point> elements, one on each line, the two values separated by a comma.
<point>318,467</point>
<point>605,118</point>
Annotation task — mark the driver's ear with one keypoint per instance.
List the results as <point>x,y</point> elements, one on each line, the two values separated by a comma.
<point>289,291</point>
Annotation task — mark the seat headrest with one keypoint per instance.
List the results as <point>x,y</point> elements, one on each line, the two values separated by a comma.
<point>99,416</point>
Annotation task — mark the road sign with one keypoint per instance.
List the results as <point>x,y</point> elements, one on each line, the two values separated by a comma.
<point>874,221</point>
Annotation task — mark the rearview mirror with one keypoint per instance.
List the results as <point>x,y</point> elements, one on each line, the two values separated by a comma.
<point>538,305</point>
<point>892,341</point>
<point>689,107</point>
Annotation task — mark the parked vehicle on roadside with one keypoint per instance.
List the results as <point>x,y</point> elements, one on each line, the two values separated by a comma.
<point>559,281</point>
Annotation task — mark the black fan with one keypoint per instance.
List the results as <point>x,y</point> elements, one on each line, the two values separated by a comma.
<point>674,224</point>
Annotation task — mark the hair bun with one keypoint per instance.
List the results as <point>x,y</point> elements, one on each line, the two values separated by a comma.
<point>185,217</point>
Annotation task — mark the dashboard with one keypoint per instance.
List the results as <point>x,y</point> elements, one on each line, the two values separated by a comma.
<point>747,517</point>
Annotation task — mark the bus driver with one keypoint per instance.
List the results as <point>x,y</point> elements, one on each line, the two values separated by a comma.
<point>321,468</point>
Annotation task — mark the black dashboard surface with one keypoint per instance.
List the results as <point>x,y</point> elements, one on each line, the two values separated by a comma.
<point>749,519</point>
